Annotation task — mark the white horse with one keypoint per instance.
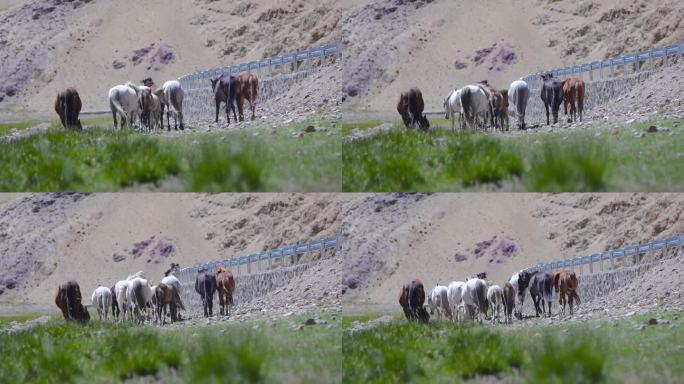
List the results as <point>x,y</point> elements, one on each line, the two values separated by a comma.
<point>123,101</point>
<point>452,105</point>
<point>174,98</point>
<point>474,296</point>
<point>121,289</point>
<point>474,101</point>
<point>102,300</point>
<point>518,94</point>
<point>519,296</point>
<point>439,301</point>
<point>495,298</point>
<point>139,295</point>
<point>455,295</point>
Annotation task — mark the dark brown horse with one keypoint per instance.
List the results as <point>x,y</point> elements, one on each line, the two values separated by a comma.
<point>227,90</point>
<point>410,106</point>
<point>412,299</point>
<point>249,86</point>
<point>205,285</point>
<point>68,106</point>
<point>552,96</point>
<point>565,283</point>
<point>226,287</point>
<point>165,295</point>
<point>498,103</point>
<point>573,94</point>
<point>508,302</point>
<point>68,299</point>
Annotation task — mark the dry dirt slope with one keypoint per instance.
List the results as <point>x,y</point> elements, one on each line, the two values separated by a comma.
<point>441,44</point>
<point>46,45</point>
<point>390,239</point>
<point>96,239</point>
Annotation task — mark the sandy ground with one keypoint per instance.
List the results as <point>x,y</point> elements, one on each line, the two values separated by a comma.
<point>445,237</point>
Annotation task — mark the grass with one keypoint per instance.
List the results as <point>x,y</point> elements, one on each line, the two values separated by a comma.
<point>242,353</point>
<point>99,159</point>
<point>566,161</point>
<point>567,353</point>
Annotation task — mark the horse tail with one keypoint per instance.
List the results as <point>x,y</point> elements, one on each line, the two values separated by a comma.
<point>115,106</point>
<point>556,280</point>
<point>66,110</point>
<point>466,103</point>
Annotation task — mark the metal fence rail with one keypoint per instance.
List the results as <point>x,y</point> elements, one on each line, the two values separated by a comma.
<point>613,257</point>
<point>321,245</point>
<point>272,66</point>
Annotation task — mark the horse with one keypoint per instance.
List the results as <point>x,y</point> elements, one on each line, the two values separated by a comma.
<point>439,301</point>
<point>410,106</point>
<point>474,101</point>
<point>452,105</point>
<point>123,101</point>
<point>173,96</point>
<point>226,287</point>
<point>411,299</point>
<point>249,86</point>
<point>68,106</point>
<point>165,295</point>
<point>495,298</point>
<point>102,300</point>
<point>68,300</point>
<point>573,93</point>
<point>139,295</point>
<point>150,108</point>
<point>173,281</point>
<point>205,286</point>
<point>455,296</point>
<point>498,104</point>
<point>227,90</point>
<point>518,94</point>
<point>474,298</point>
<point>551,95</point>
<point>565,283</point>
<point>115,304</point>
<point>521,282</point>
<point>508,302</point>
<point>541,285</point>
<point>121,289</point>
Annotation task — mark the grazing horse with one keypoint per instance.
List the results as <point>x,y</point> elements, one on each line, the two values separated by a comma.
<point>139,295</point>
<point>227,90</point>
<point>411,299</point>
<point>474,298</point>
<point>551,95</point>
<point>410,106</point>
<point>455,296</point>
<point>68,299</point>
<point>518,94</point>
<point>452,105</point>
<point>565,283</point>
<point>541,286</point>
<point>165,295</point>
<point>439,301</point>
<point>573,94</point>
<point>495,298</point>
<point>521,282</point>
<point>173,95</point>
<point>205,286</point>
<point>474,101</point>
<point>249,89</point>
<point>121,288</point>
<point>68,106</point>
<point>123,101</point>
<point>508,302</point>
<point>498,104</point>
<point>115,304</point>
<point>226,287</point>
<point>102,300</point>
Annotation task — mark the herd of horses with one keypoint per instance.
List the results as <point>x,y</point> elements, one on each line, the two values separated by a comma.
<point>145,103</point>
<point>474,298</point>
<point>136,299</point>
<point>479,104</point>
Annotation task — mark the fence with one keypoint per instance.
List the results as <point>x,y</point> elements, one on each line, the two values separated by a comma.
<point>615,257</point>
<point>273,75</point>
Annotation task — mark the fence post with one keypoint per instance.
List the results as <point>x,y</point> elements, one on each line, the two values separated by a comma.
<point>612,68</point>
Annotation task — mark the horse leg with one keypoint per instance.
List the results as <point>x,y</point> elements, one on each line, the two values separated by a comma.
<point>218,103</point>
<point>252,106</point>
<point>546,106</point>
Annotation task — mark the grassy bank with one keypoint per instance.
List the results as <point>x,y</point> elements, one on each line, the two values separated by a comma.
<point>572,353</point>
<point>565,161</point>
<point>106,160</point>
<point>254,352</point>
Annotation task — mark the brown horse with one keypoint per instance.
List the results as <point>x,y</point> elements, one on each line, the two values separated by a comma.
<point>68,106</point>
<point>226,287</point>
<point>573,93</point>
<point>166,295</point>
<point>68,299</point>
<point>412,299</point>
<point>410,106</point>
<point>227,90</point>
<point>249,85</point>
<point>498,102</point>
<point>566,283</point>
